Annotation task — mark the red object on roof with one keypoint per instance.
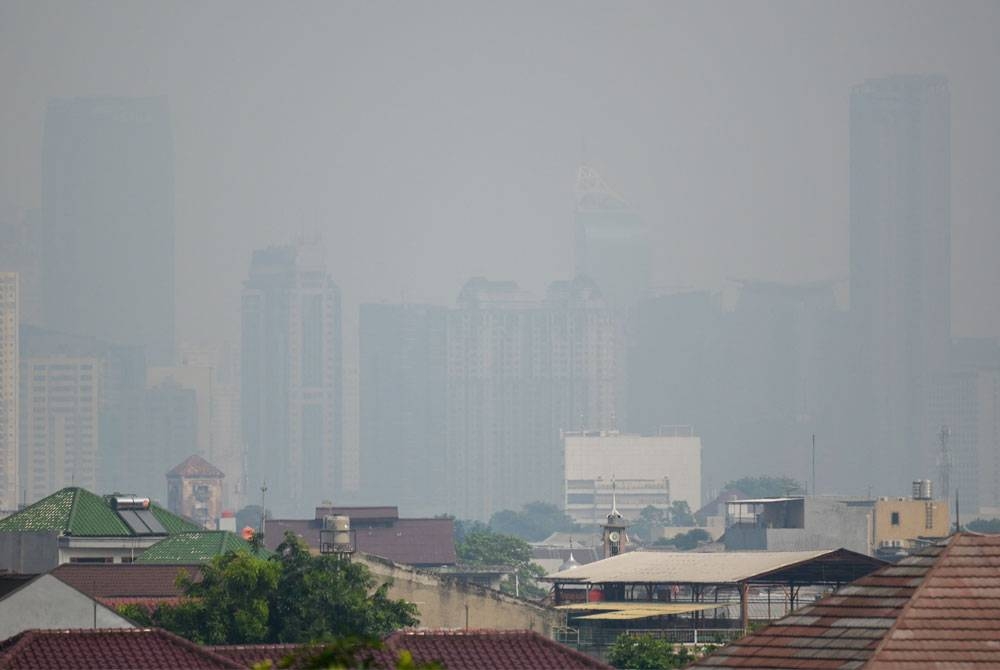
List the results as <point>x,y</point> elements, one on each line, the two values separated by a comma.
<point>939,608</point>
<point>454,649</point>
<point>419,542</point>
<point>115,581</point>
<point>195,466</point>
<point>107,649</point>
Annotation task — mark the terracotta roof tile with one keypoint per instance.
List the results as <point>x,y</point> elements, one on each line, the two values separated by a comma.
<point>106,649</point>
<point>939,609</point>
<point>195,466</point>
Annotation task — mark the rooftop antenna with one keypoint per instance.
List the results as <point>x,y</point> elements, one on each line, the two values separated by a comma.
<point>958,520</point>
<point>263,509</point>
<point>813,485</point>
<point>944,462</point>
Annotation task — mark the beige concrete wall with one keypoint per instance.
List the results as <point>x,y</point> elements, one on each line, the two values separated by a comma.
<point>445,602</point>
<point>913,517</point>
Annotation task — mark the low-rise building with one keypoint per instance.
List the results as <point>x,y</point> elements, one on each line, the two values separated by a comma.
<point>74,525</point>
<point>45,601</point>
<point>887,527</point>
<point>194,490</point>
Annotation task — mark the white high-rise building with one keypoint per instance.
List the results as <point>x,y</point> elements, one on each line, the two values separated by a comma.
<point>9,389</point>
<point>639,470</point>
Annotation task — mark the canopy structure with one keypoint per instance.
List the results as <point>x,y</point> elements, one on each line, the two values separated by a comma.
<point>634,610</point>
<point>651,572</point>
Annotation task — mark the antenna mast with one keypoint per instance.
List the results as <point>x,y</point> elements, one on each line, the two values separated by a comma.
<point>944,462</point>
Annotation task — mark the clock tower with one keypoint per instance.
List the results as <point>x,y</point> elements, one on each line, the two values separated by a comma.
<point>613,531</point>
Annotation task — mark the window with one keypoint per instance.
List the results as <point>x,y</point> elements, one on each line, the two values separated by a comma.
<point>895,518</point>
<point>91,559</point>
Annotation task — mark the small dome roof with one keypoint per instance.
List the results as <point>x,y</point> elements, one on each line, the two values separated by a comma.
<point>569,563</point>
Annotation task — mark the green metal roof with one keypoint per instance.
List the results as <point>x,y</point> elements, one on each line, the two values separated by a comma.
<point>197,547</point>
<point>78,512</point>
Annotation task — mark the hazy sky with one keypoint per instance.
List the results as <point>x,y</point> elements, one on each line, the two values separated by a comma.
<point>431,141</point>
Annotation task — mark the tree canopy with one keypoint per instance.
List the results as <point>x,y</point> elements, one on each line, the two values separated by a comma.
<point>290,597</point>
<point>483,547</point>
<point>535,522</point>
<point>765,486</point>
<point>984,526</point>
<point>644,652</point>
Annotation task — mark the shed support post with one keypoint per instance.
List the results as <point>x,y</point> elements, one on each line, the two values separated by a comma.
<point>745,605</point>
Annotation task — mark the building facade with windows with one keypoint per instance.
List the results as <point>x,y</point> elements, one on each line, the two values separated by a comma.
<point>9,390</point>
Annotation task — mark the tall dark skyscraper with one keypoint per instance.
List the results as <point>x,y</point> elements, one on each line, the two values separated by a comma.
<point>108,222</point>
<point>612,244</point>
<point>291,378</point>
<point>900,268</point>
<point>402,376</point>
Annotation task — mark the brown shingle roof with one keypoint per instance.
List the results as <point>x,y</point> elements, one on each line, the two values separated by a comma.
<point>939,608</point>
<point>107,649</point>
<point>407,541</point>
<point>117,581</point>
<point>195,466</point>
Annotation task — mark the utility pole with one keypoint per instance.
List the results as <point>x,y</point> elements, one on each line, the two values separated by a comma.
<point>814,466</point>
<point>263,508</point>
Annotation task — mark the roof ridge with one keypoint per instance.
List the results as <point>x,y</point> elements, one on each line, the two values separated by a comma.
<point>72,509</point>
<point>952,541</point>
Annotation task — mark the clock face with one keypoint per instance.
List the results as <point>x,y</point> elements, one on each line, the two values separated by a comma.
<point>613,536</point>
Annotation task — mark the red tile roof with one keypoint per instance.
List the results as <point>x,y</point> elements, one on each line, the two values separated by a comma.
<point>421,542</point>
<point>936,609</point>
<point>454,649</point>
<point>107,649</point>
<point>476,649</point>
<point>195,466</point>
<point>120,581</point>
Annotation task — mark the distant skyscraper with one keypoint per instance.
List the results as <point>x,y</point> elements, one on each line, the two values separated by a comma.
<point>9,364</point>
<point>20,253</point>
<point>291,378</point>
<point>60,423</point>
<point>108,222</point>
<point>403,366</point>
<point>519,370</point>
<point>81,414</point>
<point>900,268</point>
<point>612,244</point>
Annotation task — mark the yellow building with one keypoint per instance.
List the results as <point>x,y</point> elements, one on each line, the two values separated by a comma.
<point>9,325</point>
<point>898,522</point>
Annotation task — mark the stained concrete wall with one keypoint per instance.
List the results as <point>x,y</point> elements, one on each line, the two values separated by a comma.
<point>47,602</point>
<point>29,552</point>
<point>445,602</point>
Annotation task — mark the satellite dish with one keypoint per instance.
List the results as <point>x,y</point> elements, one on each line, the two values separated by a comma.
<point>614,536</point>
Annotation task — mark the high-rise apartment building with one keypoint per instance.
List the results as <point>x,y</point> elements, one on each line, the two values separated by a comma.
<point>402,355</point>
<point>20,253</point>
<point>612,244</point>
<point>291,378</point>
<point>107,222</point>
<point>60,423</point>
<point>900,255</point>
<point>9,370</point>
<point>520,370</point>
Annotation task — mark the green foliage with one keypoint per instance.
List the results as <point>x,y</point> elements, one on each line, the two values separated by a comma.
<point>464,526</point>
<point>290,597</point>
<point>483,547</point>
<point>347,653</point>
<point>765,486</point>
<point>984,526</point>
<point>536,522</point>
<point>680,514</point>
<point>649,519</point>
<point>644,652</point>
<point>685,541</point>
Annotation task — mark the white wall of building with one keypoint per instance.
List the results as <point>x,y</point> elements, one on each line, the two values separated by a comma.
<point>49,603</point>
<point>619,456</point>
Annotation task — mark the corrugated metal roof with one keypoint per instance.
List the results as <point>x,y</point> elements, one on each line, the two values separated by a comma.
<point>659,567</point>
<point>660,608</point>
<point>939,609</point>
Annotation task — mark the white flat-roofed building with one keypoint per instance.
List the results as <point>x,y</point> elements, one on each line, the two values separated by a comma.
<point>646,470</point>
